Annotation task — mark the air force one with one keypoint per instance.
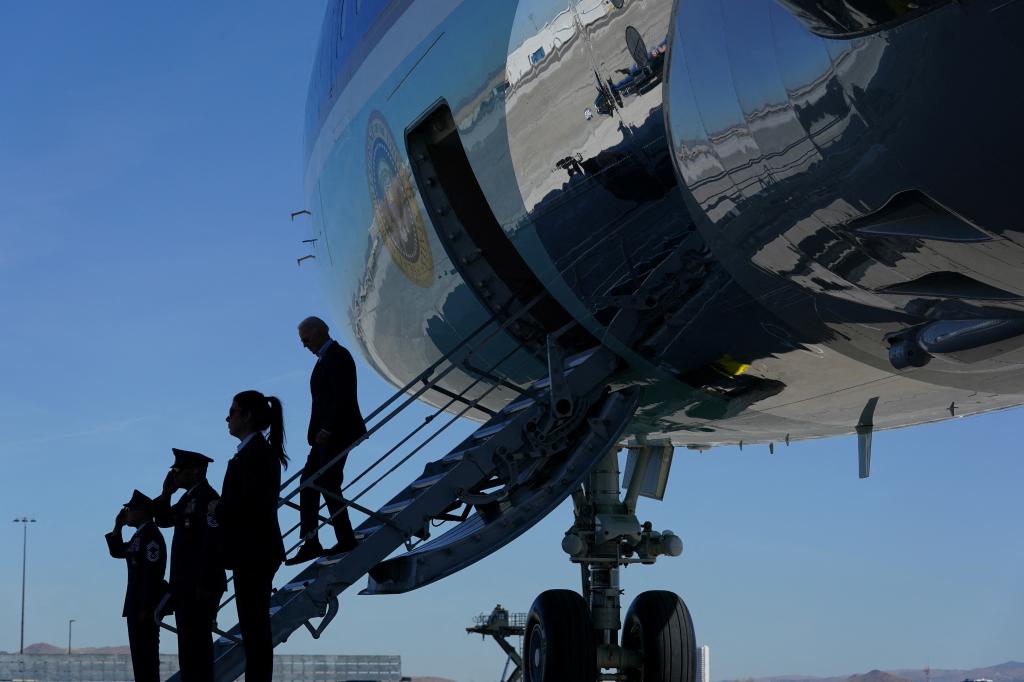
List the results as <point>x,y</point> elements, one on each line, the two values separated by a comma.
<point>588,223</point>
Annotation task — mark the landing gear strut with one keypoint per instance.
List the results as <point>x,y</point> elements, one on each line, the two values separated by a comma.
<point>573,638</point>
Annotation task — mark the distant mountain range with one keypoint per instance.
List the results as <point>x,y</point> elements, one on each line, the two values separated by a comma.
<point>46,648</point>
<point>1011,671</point>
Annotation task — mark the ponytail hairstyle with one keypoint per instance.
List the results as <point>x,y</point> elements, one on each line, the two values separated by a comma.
<point>267,413</point>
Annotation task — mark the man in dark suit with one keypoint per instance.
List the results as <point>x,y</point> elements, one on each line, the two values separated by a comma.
<point>197,569</point>
<point>335,422</point>
<point>146,556</point>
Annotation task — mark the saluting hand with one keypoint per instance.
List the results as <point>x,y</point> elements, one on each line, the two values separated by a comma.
<point>119,520</point>
<point>170,485</point>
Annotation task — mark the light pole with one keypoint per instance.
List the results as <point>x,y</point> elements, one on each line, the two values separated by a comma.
<point>70,621</point>
<point>24,520</point>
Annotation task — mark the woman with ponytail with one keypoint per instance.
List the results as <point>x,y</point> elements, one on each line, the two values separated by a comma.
<point>253,548</point>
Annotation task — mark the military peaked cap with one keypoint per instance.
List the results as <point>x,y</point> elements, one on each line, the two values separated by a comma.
<point>139,502</point>
<point>187,458</point>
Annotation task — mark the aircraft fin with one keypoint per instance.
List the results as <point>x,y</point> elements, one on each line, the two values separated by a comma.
<point>865,429</point>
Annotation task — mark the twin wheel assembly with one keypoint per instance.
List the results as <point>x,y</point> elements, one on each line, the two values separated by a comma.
<point>562,644</point>
<point>574,638</point>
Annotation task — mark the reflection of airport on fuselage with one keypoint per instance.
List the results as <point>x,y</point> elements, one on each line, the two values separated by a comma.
<point>642,76</point>
<point>752,236</point>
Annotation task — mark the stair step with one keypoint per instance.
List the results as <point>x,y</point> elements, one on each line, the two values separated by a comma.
<point>580,358</point>
<point>364,533</point>
<point>331,559</point>
<point>395,507</point>
<point>454,457</point>
<point>296,586</point>
<point>518,405</point>
<point>427,481</point>
<point>570,364</point>
<point>487,431</point>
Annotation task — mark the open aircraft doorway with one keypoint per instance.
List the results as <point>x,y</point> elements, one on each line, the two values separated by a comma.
<point>472,236</point>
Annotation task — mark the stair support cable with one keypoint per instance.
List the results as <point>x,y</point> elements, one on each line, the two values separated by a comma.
<point>458,398</point>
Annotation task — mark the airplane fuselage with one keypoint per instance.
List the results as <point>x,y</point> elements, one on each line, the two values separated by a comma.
<point>838,211</point>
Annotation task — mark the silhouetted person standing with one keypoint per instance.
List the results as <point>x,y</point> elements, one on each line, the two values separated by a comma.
<point>146,556</point>
<point>247,513</point>
<point>335,422</point>
<point>197,567</point>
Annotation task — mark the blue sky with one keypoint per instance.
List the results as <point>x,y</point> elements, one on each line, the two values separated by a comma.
<point>149,158</point>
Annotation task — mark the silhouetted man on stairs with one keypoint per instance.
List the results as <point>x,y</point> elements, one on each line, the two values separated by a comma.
<point>335,422</point>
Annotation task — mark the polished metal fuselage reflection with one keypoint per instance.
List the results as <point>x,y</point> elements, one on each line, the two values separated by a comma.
<point>825,195</point>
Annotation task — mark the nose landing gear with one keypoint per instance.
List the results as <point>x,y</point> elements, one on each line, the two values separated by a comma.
<point>574,638</point>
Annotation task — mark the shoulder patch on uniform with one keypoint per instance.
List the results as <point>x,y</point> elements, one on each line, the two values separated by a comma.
<point>211,520</point>
<point>153,551</point>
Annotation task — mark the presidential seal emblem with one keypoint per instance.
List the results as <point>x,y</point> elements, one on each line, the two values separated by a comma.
<point>397,214</point>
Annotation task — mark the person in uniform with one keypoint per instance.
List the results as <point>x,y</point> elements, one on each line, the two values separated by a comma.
<point>146,556</point>
<point>247,513</point>
<point>197,568</point>
<point>335,423</point>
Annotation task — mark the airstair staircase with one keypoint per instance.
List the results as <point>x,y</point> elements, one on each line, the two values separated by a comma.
<point>493,486</point>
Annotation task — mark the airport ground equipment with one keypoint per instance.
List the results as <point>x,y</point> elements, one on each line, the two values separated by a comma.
<point>500,625</point>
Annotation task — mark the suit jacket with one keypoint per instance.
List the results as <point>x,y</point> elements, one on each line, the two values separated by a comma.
<point>196,561</point>
<point>247,513</point>
<point>335,405</point>
<point>146,556</point>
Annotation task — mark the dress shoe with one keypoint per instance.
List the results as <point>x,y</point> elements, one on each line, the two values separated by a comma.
<point>341,548</point>
<point>310,550</point>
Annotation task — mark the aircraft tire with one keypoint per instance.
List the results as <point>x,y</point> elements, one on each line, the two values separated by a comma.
<point>559,639</point>
<point>658,625</point>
